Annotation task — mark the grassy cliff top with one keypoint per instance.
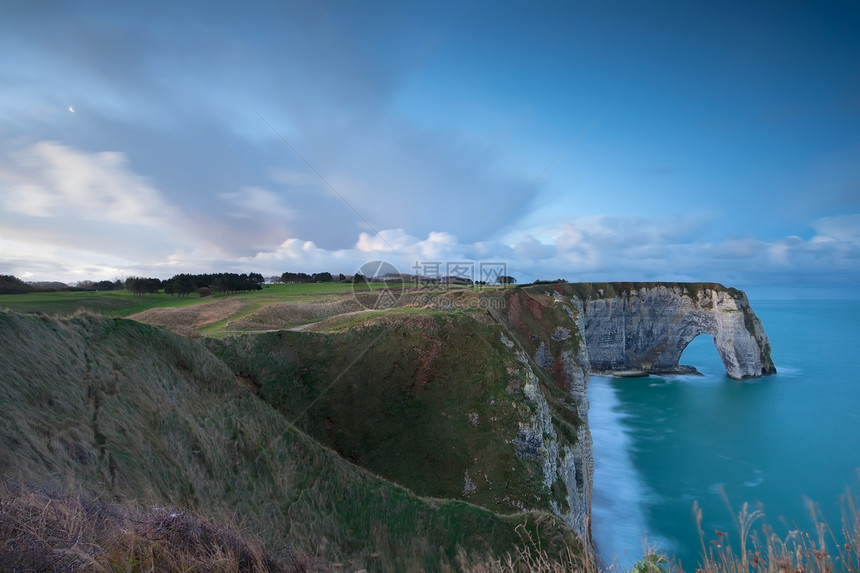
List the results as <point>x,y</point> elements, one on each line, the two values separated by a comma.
<point>605,290</point>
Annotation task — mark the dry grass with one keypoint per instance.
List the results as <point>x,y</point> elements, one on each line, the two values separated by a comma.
<point>823,551</point>
<point>267,312</point>
<point>530,557</point>
<point>289,314</point>
<point>188,319</point>
<point>43,530</point>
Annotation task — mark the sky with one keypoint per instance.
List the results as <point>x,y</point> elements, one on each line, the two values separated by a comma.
<point>588,141</point>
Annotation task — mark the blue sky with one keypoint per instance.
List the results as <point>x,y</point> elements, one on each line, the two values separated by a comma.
<point>711,141</point>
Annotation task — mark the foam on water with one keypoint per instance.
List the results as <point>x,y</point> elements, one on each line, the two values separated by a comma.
<point>618,522</point>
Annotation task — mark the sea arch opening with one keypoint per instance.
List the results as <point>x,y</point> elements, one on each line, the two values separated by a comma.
<point>701,353</point>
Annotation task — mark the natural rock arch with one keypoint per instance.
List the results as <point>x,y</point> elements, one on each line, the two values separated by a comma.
<point>646,327</point>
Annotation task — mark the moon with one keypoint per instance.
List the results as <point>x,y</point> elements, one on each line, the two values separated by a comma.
<point>71,109</point>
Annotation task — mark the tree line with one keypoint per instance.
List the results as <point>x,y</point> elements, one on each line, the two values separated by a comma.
<point>184,284</point>
<point>292,278</point>
<point>10,284</point>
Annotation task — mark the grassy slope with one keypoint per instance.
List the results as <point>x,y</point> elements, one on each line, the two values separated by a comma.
<point>418,397</point>
<point>422,396</point>
<point>144,414</point>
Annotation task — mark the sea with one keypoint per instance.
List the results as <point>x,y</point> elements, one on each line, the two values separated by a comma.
<point>786,444</point>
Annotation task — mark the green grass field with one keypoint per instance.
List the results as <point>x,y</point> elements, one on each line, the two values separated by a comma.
<point>123,303</point>
<point>111,303</point>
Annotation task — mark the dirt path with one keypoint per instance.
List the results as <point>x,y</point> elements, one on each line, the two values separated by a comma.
<point>304,326</point>
<point>329,320</point>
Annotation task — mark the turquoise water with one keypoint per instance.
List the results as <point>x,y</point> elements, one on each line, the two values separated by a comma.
<point>662,443</point>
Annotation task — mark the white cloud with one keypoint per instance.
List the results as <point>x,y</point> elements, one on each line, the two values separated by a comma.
<point>54,180</point>
<point>840,228</point>
<point>580,251</point>
<point>81,212</point>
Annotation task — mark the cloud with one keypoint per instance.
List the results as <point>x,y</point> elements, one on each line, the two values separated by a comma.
<point>426,130</point>
<point>844,228</point>
<point>580,251</point>
<point>60,203</point>
<point>180,98</point>
<point>55,180</point>
<point>75,207</point>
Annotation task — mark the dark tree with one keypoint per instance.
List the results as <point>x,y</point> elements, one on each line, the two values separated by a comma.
<point>181,285</point>
<point>289,277</point>
<point>506,280</point>
<point>141,285</point>
<point>13,285</point>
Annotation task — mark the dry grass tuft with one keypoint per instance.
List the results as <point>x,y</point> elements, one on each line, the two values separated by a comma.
<point>825,551</point>
<point>44,530</point>
<point>530,557</point>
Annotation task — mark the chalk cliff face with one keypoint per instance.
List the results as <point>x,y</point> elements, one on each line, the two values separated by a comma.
<point>646,326</point>
<point>546,326</point>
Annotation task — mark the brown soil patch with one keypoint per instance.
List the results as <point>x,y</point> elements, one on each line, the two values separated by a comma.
<point>426,357</point>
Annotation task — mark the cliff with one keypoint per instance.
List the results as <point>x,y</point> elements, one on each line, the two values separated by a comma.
<point>475,396</point>
<point>564,331</point>
<point>646,326</point>
<point>547,328</point>
<point>483,396</point>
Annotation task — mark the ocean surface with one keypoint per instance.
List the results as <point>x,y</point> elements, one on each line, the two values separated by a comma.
<point>662,443</point>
